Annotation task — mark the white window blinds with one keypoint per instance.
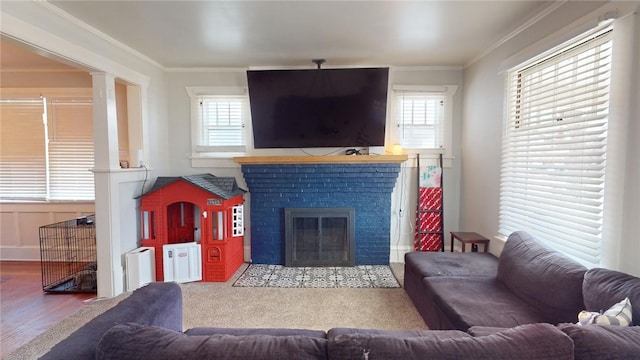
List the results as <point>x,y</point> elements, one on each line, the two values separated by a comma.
<point>71,149</point>
<point>420,119</point>
<point>46,149</point>
<point>222,120</point>
<point>23,169</point>
<point>553,165</point>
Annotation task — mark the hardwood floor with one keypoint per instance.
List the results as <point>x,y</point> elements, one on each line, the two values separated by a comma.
<point>27,311</point>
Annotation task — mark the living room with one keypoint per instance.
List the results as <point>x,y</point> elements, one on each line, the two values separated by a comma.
<point>475,172</point>
<point>472,179</point>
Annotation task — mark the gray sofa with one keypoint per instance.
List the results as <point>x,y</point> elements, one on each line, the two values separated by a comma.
<point>529,283</point>
<point>148,323</point>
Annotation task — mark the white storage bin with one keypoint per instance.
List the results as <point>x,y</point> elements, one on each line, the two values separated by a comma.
<point>141,267</point>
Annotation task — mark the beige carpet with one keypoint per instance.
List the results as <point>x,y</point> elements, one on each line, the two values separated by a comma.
<point>222,305</point>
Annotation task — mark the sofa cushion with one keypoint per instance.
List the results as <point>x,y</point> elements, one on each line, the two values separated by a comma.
<point>158,303</point>
<point>543,277</point>
<point>602,288</point>
<point>535,341</point>
<point>467,302</point>
<point>451,264</point>
<point>604,342</point>
<point>255,331</point>
<point>134,341</point>
<point>401,334</point>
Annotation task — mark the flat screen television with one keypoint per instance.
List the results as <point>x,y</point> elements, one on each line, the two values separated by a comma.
<point>318,107</point>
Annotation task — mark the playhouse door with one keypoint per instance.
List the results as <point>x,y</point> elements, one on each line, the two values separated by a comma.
<point>180,222</point>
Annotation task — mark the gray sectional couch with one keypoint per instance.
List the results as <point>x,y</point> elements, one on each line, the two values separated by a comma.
<point>148,323</point>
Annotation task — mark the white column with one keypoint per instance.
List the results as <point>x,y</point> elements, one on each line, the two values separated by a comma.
<point>105,133</point>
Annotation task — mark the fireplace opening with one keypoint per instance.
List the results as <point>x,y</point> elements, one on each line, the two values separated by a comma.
<point>319,236</point>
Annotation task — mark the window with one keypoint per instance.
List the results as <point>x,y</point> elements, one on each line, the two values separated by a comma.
<point>423,116</point>
<point>554,148</point>
<point>237,220</point>
<point>219,120</point>
<point>46,149</point>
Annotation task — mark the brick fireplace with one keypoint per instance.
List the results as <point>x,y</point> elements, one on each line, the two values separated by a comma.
<point>364,183</point>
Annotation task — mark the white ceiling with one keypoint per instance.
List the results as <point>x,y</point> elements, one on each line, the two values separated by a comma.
<point>188,34</point>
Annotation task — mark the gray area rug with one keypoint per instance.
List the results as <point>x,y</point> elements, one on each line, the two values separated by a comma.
<point>278,276</point>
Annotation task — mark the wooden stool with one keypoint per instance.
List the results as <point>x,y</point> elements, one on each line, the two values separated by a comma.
<point>470,238</point>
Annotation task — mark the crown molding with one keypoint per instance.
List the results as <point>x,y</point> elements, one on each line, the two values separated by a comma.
<point>79,23</point>
<point>525,25</point>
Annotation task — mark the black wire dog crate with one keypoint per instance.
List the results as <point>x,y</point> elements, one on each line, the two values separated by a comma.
<point>68,256</point>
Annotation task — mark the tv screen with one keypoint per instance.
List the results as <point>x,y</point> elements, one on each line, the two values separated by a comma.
<point>318,107</point>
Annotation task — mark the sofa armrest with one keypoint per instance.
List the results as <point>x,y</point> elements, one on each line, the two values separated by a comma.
<point>604,342</point>
<point>157,304</point>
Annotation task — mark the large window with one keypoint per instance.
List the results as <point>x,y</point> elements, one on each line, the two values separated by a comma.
<point>423,117</point>
<point>219,120</point>
<point>46,149</point>
<point>554,149</point>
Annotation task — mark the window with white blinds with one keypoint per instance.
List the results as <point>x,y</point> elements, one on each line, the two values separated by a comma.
<point>554,148</point>
<point>222,121</point>
<point>71,150</point>
<point>420,119</point>
<point>46,149</point>
<point>23,168</point>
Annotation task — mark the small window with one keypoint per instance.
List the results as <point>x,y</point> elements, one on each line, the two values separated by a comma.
<point>217,225</point>
<point>423,116</point>
<point>237,216</point>
<point>148,225</point>
<point>219,121</point>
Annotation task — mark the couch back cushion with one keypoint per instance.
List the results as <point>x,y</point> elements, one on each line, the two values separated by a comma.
<point>533,341</point>
<point>602,288</point>
<point>401,334</point>
<point>255,331</point>
<point>543,277</point>
<point>134,341</point>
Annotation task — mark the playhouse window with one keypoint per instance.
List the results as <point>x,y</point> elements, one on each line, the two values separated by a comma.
<point>237,222</point>
<point>149,224</point>
<point>217,225</point>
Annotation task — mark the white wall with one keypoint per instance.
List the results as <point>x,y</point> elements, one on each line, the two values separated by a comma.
<point>483,119</point>
<point>404,195</point>
<point>19,226</point>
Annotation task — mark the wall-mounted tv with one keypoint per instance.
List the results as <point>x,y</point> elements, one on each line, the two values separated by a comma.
<point>318,107</point>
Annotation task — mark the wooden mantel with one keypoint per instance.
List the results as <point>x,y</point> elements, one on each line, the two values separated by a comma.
<point>328,159</point>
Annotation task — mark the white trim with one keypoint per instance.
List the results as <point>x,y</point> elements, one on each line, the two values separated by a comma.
<point>86,27</point>
<point>396,253</point>
<point>524,26</point>
<point>568,32</point>
<point>67,51</point>
<point>427,68</point>
<point>205,69</point>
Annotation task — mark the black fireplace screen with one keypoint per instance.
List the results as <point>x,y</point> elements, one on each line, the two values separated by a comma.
<point>319,236</point>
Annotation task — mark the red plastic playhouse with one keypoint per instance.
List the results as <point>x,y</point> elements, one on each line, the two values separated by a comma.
<point>202,209</point>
